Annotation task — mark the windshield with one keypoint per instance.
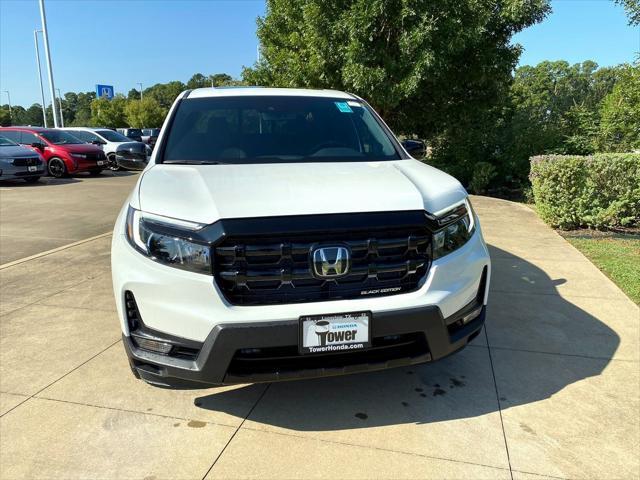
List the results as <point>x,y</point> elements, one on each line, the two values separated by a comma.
<point>112,136</point>
<point>58,137</point>
<point>261,129</point>
<point>5,142</point>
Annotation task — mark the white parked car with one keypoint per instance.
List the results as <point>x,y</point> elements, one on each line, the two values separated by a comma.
<point>281,234</point>
<point>108,140</point>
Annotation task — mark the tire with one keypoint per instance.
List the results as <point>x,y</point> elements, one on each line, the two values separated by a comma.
<point>31,179</point>
<point>95,173</point>
<point>113,165</point>
<point>57,167</point>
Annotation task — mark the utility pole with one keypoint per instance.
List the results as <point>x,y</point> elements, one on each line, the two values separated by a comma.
<point>44,108</point>
<point>47,52</point>
<point>60,105</point>
<point>140,90</point>
<point>9,97</point>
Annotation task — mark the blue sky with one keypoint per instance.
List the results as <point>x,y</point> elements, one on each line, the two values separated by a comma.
<point>125,42</point>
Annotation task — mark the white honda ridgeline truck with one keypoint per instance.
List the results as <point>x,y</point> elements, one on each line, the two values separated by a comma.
<point>281,234</point>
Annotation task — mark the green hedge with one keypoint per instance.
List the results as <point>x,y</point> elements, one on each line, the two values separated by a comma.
<point>599,191</point>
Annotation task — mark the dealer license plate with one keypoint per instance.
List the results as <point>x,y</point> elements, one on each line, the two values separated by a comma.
<point>33,168</point>
<point>340,332</point>
<point>100,162</point>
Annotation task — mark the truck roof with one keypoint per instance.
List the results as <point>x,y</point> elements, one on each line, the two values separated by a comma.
<point>266,92</point>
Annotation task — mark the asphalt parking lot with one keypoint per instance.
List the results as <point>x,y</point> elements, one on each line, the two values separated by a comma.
<point>550,389</point>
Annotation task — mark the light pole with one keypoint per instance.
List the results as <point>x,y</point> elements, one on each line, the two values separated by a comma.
<point>44,108</point>
<point>60,106</point>
<point>140,90</point>
<point>10,114</point>
<point>45,36</point>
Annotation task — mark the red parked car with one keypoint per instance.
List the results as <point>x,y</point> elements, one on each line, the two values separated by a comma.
<point>64,153</point>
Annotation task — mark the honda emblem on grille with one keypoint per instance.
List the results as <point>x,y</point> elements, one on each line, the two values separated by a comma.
<point>330,262</point>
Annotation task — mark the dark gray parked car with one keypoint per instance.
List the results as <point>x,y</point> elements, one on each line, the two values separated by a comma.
<point>18,162</point>
<point>132,156</point>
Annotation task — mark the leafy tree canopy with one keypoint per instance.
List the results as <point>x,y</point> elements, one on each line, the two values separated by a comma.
<point>419,63</point>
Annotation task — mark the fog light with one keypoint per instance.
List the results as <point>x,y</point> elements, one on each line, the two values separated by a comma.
<point>470,316</point>
<point>152,345</point>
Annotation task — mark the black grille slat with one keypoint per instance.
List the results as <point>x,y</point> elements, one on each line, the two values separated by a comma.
<point>26,162</point>
<point>267,269</point>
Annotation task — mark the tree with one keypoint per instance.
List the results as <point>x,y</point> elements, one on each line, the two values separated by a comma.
<point>632,7</point>
<point>165,93</point>
<point>109,113</point>
<point>144,113</point>
<point>620,123</point>
<point>198,81</point>
<point>5,118</point>
<point>82,117</point>
<point>133,94</point>
<point>427,67</point>
<point>33,115</point>
<point>552,107</point>
<point>220,79</point>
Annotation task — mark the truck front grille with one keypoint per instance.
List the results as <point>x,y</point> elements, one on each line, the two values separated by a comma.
<point>27,162</point>
<point>265,270</point>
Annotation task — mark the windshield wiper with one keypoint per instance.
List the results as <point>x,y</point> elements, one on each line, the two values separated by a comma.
<point>192,162</point>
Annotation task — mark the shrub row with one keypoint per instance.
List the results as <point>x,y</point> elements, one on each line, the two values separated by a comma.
<point>598,191</point>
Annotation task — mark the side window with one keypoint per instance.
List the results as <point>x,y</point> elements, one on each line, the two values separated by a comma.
<point>11,135</point>
<point>84,136</point>
<point>28,138</point>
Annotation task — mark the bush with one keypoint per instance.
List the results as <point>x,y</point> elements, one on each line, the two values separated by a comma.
<point>483,173</point>
<point>599,191</point>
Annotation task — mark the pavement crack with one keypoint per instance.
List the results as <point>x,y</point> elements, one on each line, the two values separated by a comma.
<point>125,410</point>
<point>370,447</point>
<point>237,430</point>
<point>495,385</point>
<point>63,376</point>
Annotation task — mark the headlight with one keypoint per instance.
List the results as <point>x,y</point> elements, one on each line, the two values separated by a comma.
<point>459,225</point>
<point>168,241</point>
<point>78,155</point>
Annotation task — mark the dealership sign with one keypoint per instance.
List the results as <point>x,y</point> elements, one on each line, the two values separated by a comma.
<point>104,91</point>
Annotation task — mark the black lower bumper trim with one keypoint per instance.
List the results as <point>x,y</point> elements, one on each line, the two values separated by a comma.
<point>400,338</point>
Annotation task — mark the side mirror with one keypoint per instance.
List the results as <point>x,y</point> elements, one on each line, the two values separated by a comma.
<point>98,142</point>
<point>416,148</point>
<point>38,145</point>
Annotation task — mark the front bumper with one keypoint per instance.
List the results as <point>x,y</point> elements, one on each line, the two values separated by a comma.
<point>17,173</point>
<point>421,335</point>
<point>190,307</point>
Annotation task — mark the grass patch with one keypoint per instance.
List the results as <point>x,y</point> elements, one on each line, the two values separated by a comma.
<point>617,255</point>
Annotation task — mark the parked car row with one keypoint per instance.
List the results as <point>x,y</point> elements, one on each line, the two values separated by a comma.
<point>31,152</point>
<point>109,141</point>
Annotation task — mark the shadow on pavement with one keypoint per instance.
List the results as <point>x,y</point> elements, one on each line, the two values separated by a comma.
<point>458,387</point>
<point>51,181</point>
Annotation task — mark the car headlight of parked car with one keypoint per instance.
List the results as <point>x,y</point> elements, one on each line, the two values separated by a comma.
<point>168,241</point>
<point>78,155</point>
<point>458,227</point>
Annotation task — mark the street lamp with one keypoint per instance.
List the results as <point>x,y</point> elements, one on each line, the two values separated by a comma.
<point>140,90</point>
<point>60,106</point>
<point>9,97</point>
<point>47,53</point>
<point>44,108</point>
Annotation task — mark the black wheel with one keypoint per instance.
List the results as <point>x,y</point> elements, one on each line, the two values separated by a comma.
<point>95,173</point>
<point>113,164</point>
<point>57,168</point>
<point>31,179</point>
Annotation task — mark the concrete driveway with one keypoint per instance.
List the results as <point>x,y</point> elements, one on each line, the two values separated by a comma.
<point>551,388</point>
<point>55,212</point>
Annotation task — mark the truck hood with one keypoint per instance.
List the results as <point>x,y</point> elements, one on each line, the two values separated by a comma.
<point>17,151</point>
<point>207,193</point>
